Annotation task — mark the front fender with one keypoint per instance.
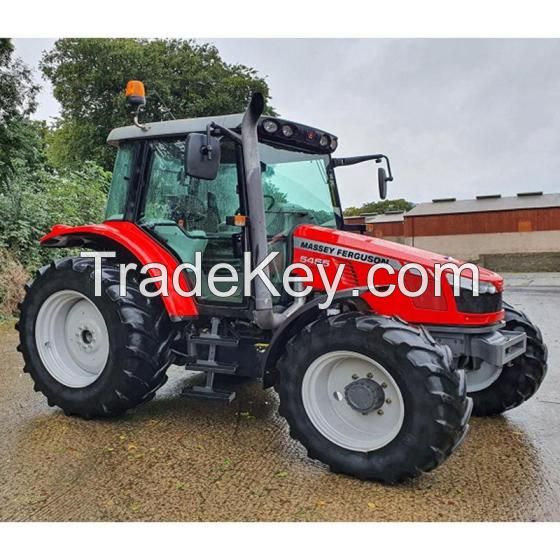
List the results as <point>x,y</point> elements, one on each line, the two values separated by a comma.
<point>302,317</point>
<point>135,240</point>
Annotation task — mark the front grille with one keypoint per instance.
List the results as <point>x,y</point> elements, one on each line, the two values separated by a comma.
<point>483,303</point>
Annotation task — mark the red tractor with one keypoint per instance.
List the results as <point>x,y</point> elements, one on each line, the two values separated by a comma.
<point>378,386</point>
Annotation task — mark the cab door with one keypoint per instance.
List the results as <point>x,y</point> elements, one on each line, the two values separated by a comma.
<point>190,215</point>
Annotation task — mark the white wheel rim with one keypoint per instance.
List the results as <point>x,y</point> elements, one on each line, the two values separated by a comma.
<point>72,338</point>
<point>323,390</point>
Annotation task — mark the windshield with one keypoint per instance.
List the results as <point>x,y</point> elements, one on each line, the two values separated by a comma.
<point>297,189</point>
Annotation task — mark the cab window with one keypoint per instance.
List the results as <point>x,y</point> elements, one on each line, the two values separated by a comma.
<point>122,175</point>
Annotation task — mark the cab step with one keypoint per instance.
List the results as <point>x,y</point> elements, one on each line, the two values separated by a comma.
<point>208,393</point>
<point>210,366</point>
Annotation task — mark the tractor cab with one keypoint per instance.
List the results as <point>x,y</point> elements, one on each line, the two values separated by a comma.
<point>191,215</point>
<point>204,205</point>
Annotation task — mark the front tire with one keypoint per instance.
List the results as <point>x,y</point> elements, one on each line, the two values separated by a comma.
<point>358,365</point>
<point>93,355</point>
<point>519,380</point>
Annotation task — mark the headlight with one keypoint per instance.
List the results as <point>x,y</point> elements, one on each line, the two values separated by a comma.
<point>324,141</point>
<point>467,284</point>
<point>486,288</point>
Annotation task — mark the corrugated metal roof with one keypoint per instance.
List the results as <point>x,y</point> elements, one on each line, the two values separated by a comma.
<point>385,218</point>
<point>525,201</point>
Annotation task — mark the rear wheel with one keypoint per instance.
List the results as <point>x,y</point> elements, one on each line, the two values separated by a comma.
<point>93,355</point>
<point>372,397</point>
<point>495,390</point>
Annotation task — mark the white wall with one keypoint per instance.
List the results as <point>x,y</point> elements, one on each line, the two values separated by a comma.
<point>473,245</point>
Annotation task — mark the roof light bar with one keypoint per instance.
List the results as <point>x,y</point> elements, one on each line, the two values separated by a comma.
<point>296,135</point>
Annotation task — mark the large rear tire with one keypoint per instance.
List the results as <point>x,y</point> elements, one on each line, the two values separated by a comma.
<point>93,355</point>
<point>519,380</point>
<point>372,397</point>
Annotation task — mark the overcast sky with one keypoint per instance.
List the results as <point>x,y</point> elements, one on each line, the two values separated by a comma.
<point>456,117</point>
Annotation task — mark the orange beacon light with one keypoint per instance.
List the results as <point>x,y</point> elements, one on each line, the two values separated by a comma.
<point>135,93</point>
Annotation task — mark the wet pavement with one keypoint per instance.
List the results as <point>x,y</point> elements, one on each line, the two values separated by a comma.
<point>182,460</point>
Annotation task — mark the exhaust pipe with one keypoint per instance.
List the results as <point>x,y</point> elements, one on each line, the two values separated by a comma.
<point>264,316</point>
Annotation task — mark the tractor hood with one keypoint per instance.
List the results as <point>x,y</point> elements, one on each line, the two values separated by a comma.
<point>371,250</point>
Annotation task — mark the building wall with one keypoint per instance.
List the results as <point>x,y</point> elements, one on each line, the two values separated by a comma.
<point>386,230</point>
<point>354,219</point>
<point>540,219</point>
<point>471,246</point>
<point>470,236</point>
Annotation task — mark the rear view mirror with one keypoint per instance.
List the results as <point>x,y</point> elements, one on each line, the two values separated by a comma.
<point>202,156</point>
<point>382,180</point>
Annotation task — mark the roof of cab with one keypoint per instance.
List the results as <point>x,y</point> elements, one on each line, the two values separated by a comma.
<point>171,128</point>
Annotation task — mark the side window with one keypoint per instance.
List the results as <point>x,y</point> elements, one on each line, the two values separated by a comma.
<point>193,204</point>
<point>122,174</point>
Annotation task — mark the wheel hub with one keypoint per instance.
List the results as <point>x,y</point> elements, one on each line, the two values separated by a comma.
<point>85,337</point>
<point>352,400</point>
<point>364,395</point>
<point>72,338</point>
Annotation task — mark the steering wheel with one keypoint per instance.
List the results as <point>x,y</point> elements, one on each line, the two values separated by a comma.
<point>273,201</point>
<point>188,206</point>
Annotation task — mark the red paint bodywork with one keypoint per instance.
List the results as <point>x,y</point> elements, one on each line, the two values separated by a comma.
<point>144,247</point>
<point>414,310</point>
<point>434,311</point>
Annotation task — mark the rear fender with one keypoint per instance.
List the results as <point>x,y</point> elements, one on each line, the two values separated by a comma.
<point>127,237</point>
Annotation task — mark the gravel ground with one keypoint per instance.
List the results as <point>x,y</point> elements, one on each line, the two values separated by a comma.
<point>182,460</point>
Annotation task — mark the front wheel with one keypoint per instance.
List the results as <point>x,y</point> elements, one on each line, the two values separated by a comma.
<point>505,388</point>
<point>372,397</point>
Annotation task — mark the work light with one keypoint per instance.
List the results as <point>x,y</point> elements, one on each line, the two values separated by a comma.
<point>270,126</point>
<point>287,131</point>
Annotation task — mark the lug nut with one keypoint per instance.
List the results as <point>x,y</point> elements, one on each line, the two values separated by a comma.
<point>388,401</point>
<point>384,385</point>
<point>380,412</point>
<point>369,375</point>
<point>354,376</point>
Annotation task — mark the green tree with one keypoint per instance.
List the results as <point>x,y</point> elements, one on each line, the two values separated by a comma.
<point>37,201</point>
<point>20,139</point>
<point>379,207</point>
<point>89,77</point>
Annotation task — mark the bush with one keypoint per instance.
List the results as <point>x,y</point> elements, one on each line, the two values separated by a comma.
<point>13,277</point>
<point>35,202</point>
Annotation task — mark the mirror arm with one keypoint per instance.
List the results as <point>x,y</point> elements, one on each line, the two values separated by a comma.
<point>342,162</point>
<point>217,129</point>
<point>389,174</point>
<point>207,149</point>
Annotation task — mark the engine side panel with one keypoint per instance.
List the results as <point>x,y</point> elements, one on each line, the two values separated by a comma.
<point>315,245</point>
